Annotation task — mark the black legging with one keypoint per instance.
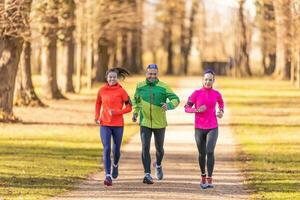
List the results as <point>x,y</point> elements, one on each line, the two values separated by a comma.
<point>159,137</point>
<point>206,140</point>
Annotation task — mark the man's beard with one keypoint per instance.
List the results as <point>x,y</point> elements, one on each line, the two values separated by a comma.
<point>152,79</point>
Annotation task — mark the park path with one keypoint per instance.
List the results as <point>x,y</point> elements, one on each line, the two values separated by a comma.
<point>180,165</point>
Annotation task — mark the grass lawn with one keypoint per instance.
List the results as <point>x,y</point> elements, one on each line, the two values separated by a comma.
<point>38,161</point>
<point>265,116</point>
<point>55,148</point>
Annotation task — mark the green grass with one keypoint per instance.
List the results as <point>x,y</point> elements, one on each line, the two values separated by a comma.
<point>51,154</point>
<point>38,162</point>
<point>57,149</point>
<point>265,116</point>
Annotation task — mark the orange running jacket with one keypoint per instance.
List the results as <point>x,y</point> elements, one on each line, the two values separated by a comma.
<point>112,98</point>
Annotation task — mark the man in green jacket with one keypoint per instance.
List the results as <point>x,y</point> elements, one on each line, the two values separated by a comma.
<point>151,100</point>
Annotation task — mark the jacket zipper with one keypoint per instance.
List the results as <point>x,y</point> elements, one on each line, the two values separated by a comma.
<point>151,96</point>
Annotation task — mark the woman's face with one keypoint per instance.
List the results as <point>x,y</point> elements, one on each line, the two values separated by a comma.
<point>112,78</point>
<point>208,80</point>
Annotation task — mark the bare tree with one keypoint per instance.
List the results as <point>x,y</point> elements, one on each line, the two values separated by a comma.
<point>66,20</point>
<point>242,44</point>
<point>105,39</point>
<point>24,92</point>
<point>135,55</point>
<point>201,29</point>
<point>14,27</point>
<point>168,33</point>
<point>266,20</point>
<point>187,37</point>
<point>79,45</point>
<point>48,30</point>
<point>117,35</point>
<point>89,42</point>
<point>295,47</point>
<point>169,10</point>
<point>282,18</point>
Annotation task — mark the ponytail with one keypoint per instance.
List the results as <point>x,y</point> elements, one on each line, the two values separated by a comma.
<point>121,72</point>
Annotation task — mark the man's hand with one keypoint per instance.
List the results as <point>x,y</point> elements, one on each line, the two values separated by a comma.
<point>201,109</point>
<point>164,106</point>
<point>97,121</point>
<point>134,117</point>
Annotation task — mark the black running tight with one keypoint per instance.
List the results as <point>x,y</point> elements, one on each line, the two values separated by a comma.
<point>206,140</point>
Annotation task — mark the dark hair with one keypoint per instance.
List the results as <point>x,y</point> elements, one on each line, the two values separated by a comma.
<point>121,72</point>
<point>209,71</point>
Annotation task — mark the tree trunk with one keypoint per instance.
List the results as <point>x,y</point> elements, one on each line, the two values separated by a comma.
<point>244,55</point>
<point>13,29</point>
<point>36,59</point>
<point>187,42</point>
<point>139,38</point>
<point>79,43</point>
<point>10,51</point>
<point>89,37</point>
<point>282,16</point>
<point>124,53</point>
<point>170,53</point>
<point>67,66</point>
<point>272,64</point>
<point>48,30</point>
<point>269,62</point>
<point>129,47</point>
<point>268,36</point>
<point>169,39</point>
<point>202,33</point>
<point>183,38</point>
<point>293,64</point>
<point>140,51</point>
<point>66,22</point>
<point>24,92</point>
<point>298,70</point>
<point>103,60</point>
<point>78,65</point>
<point>134,68</point>
<point>89,62</point>
<point>169,50</point>
<point>49,77</point>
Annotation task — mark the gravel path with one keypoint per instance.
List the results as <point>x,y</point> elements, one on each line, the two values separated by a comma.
<point>180,166</point>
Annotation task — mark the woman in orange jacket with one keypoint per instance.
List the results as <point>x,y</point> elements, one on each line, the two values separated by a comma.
<point>110,101</point>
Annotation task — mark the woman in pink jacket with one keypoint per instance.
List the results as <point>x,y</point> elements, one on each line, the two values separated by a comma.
<point>203,102</point>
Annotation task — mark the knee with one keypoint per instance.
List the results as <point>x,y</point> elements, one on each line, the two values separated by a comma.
<point>210,153</point>
<point>117,148</point>
<point>106,150</point>
<point>202,155</point>
<point>145,148</point>
<point>160,150</point>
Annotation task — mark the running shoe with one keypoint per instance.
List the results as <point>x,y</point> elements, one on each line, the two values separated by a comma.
<point>158,171</point>
<point>108,181</point>
<point>148,179</point>
<point>203,183</point>
<point>115,171</point>
<point>209,182</point>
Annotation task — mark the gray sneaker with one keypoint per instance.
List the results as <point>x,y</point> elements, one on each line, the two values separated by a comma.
<point>148,179</point>
<point>158,171</point>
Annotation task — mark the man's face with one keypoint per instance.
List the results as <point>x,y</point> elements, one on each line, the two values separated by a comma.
<point>151,74</point>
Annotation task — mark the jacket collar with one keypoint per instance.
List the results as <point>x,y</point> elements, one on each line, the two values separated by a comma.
<point>116,86</point>
<point>152,83</point>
